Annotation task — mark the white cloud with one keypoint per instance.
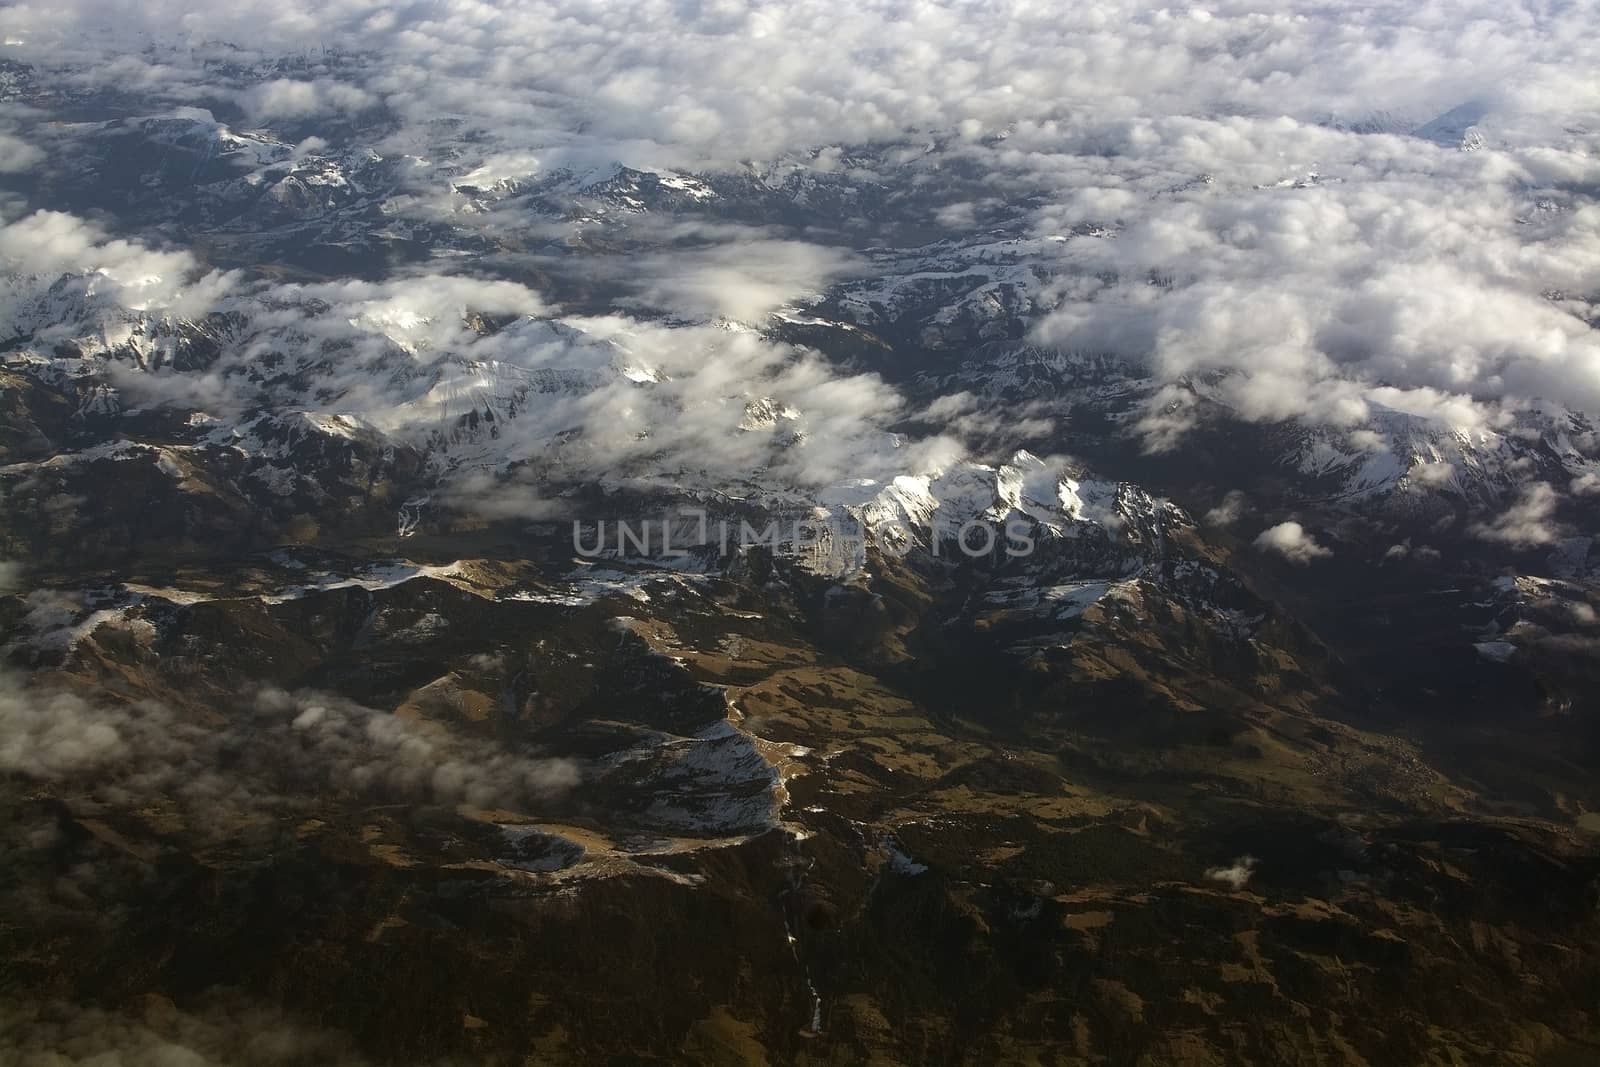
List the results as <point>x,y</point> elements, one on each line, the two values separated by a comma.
<point>1432,474</point>
<point>1236,875</point>
<point>52,243</point>
<point>1229,511</point>
<point>299,746</point>
<point>1291,541</point>
<point>285,98</point>
<point>743,279</point>
<point>604,397</point>
<point>16,155</point>
<point>1286,231</point>
<point>1406,550</point>
<point>36,250</point>
<point>1527,523</point>
<point>734,81</point>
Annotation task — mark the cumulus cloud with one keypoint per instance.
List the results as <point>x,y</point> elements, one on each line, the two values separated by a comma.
<point>37,250</point>
<point>285,98</point>
<point>1405,550</point>
<point>1527,523</point>
<point>983,429</point>
<point>16,155</point>
<point>1433,475</point>
<point>1307,213</point>
<point>1321,304</point>
<point>274,753</point>
<point>576,398</point>
<point>1236,875</point>
<point>744,80</point>
<point>742,279</point>
<point>1291,541</point>
<point>1229,511</point>
<point>51,243</point>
